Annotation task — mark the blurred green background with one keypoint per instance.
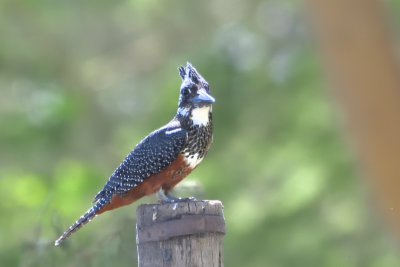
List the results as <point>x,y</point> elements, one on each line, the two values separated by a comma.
<point>81,82</point>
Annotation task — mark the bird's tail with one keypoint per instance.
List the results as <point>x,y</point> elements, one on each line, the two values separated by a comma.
<point>84,219</point>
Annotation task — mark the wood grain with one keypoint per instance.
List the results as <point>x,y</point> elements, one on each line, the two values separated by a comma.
<point>188,233</point>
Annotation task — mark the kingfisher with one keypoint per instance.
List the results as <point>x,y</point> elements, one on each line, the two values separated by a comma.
<point>163,158</point>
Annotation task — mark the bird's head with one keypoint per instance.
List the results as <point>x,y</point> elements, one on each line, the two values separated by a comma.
<point>195,95</point>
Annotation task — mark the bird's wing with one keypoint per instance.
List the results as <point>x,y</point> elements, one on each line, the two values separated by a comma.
<point>150,156</point>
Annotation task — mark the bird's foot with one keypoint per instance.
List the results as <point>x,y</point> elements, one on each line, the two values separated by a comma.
<point>171,199</point>
<point>168,198</point>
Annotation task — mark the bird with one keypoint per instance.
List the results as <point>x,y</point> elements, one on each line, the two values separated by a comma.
<point>163,158</point>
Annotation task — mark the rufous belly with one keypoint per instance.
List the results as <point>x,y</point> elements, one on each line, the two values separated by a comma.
<point>166,179</point>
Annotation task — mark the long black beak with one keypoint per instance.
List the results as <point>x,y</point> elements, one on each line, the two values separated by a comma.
<point>202,97</point>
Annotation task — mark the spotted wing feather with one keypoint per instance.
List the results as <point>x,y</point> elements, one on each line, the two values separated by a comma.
<point>150,156</point>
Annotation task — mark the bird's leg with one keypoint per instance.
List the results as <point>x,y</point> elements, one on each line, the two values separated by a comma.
<point>165,196</point>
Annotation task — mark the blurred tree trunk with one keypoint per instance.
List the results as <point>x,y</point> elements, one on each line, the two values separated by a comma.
<point>360,61</point>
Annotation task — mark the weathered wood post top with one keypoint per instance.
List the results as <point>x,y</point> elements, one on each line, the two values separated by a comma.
<point>188,233</point>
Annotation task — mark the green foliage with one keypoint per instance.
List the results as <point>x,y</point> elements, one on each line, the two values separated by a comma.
<point>83,81</point>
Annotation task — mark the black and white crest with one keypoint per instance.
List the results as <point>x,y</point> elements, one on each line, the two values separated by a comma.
<point>191,73</point>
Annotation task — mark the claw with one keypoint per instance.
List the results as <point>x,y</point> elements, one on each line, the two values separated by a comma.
<point>167,198</point>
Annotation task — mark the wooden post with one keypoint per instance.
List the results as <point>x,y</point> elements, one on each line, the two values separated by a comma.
<point>188,233</point>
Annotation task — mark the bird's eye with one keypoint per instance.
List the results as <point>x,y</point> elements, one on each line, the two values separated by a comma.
<point>186,92</point>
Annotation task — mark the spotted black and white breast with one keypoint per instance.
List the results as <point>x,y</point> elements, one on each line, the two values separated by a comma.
<point>199,141</point>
